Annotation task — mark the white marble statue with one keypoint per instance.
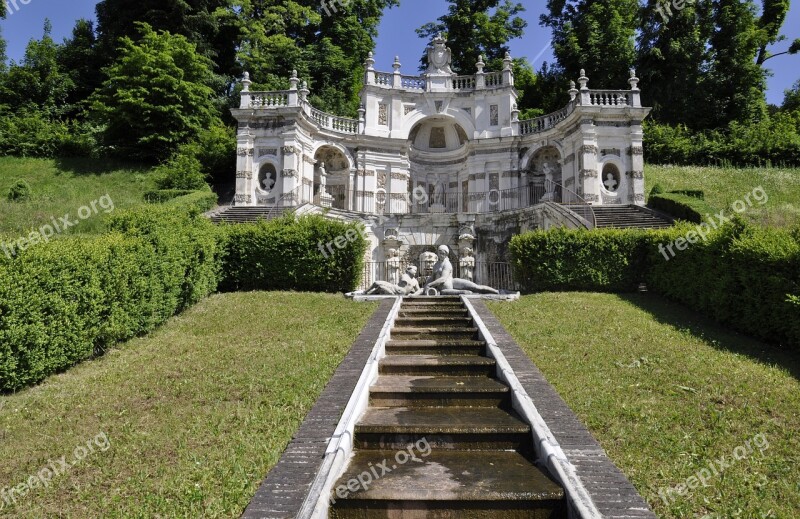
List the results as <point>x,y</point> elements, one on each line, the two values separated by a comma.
<point>444,282</point>
<point>408,285</point>
<point>393,266</point>
<point>467,264</point>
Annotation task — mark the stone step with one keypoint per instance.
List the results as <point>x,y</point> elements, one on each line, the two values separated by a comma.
<point>433,365</point>
<point>440,346</point>
<point>446,484</point>
<point>417,391</point>
<point>433,312</point>
<point>455,428</point>
<point>433,321</point>
<point>434,332</point>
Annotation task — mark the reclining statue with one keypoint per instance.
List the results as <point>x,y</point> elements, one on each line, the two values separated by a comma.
<point>444,282</point>
<point>408,286</point>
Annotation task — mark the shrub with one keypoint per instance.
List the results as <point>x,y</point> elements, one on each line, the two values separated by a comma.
<point>682,207</point>
<point>286,254</point>
<point>67,300</point>
<point>743,276</point>
<point>165,195</point>
<point>196,202</point>
<point>602,260</point>
<point>20,191</point>
<point>656,190</point>
<point>182,171</point>
<point>694,193</point>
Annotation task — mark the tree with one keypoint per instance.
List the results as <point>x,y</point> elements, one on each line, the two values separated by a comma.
<point>206,23</point>
<point>474,28</point>
<point>671,48</point>
<point>595,35</point>
<point>78,58</point>
<point>791,99</point>
<point>326,48</point>
<point>37,82</point>
<point>773,16</point>
<point>157,95</point>
<point>736,83</point>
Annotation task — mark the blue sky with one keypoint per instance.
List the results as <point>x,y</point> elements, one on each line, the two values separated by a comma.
<point>397,36</point>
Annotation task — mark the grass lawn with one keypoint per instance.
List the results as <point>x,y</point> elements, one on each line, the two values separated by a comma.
<point>194,414</point>
<point>61,187</point>
<point>723,186</point>
<point>667,393</point>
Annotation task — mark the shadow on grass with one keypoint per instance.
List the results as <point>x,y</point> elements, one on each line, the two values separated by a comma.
<point>98,166</point>
<point>714,333</point>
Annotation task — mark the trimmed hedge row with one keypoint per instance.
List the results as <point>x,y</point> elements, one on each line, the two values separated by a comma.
<point>67,300</point>
<point>306,254</point>
<point>165,195</point>
<point>681,206</point>
<point>196,202</point>
<point>743,276</point>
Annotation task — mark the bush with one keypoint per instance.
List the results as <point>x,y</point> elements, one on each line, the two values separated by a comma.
<point>183,171</point>
<point>67,300</point>
<point>196,202</point>
<point>32,133</point>
<point>165,195</point>
<point>602,260</point>
<point>743,276</point>
<point>285,254</point>
<point>20,191</point>
<point>681,207</point>
<point>694,193</point>
<point>657,189</point>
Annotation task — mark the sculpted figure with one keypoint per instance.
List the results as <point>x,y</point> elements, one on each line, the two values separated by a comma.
<point>446,284</point>
<point>408,285</point>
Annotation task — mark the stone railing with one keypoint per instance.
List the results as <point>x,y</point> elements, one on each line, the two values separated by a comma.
<point>384,79</point>
<point>610,98</point>
<point>493,79</point>
<point>464,83</point>
<point>333,122</point>
<point>268,99</point>
<point>413,83</point>
<point>545,122</point>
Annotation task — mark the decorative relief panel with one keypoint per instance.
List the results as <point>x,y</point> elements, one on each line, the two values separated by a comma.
<point>244,174</point>
<point>494,181</point>
<point>494,115</point>
<point>635,174</point>
<point>408,109</point>
<point>591,198</point>
<point>398,196</point>
<point>399,176</point>
<point>588,173</point>
<point>611,151</point>
<point>636,150</point>
<point>570,159</point>
<point>381,180</point>
<point>383,114</point>
<point>589,148</point>
<point>243,199</point>
<point>639,197</point>
<point>289,173</point>
<point>245,152</point>
<point>369,173</point>
<point>437,140</point>
<point>267,151</point>
<point>289,150</point>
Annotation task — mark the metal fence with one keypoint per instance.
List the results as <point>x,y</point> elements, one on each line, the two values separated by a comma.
<point>494,274</point>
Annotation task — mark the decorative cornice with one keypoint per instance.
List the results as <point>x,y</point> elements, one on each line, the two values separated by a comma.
<point>589,148</point>
<point>400,176</point>
<point>245,152</point>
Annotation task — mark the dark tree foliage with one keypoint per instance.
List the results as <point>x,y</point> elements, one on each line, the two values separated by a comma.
<point>78,58</point>
<point>474,28</point>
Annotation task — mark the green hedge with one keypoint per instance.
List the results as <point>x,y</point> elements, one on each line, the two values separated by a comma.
<point>67,300</point>
<point>681,207</point>
<point>694,193</point>
<point>284,254</point>
<point>197,202</point>
<point>743,276</point>
<point>608,260</point>
<point>160,196</point>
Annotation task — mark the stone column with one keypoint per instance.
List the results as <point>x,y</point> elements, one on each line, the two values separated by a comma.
<point>589,176</point>
<point>289,177</point>
<point>244,169</point>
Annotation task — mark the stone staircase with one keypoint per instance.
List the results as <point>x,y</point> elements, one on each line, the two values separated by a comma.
<point>440,438</point>
<point>240,214</point>
<point>628,216</point>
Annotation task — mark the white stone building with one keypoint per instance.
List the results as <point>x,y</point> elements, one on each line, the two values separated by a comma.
<point>441,158</point>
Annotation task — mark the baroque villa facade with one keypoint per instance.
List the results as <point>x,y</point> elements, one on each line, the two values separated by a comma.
<point>441,158</point>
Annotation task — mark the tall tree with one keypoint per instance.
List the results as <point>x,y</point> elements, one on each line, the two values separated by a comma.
<point>203,22</point>
<point>773,16</point>
<point>474,28</point>
<point>326,43</point>
<point>595,35</point>
<point>672,47</point>
<point>37,81</point>
<point>791,99</point>
<point>78,57</point>
<point>736,83</point>
<point>158,94</point>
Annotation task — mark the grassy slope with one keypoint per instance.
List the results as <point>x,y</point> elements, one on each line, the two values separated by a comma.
<point>196,413</point>
<point>723,186</point>
<point>62,187</point>
<point>666,392</point>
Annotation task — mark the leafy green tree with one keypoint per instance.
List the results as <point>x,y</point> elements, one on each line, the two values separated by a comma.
<point>736,83</point>
<point>157,95</point>
<point>203,22</point>
<point>595,35</point>
<point>3,56</point>
<point>37,82</point>
<point>474,28</point>
<point>773,16</point>
<point>326,47</point>
<point>791,99</point>
<point>676,48</point>
<point>78,58</point>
